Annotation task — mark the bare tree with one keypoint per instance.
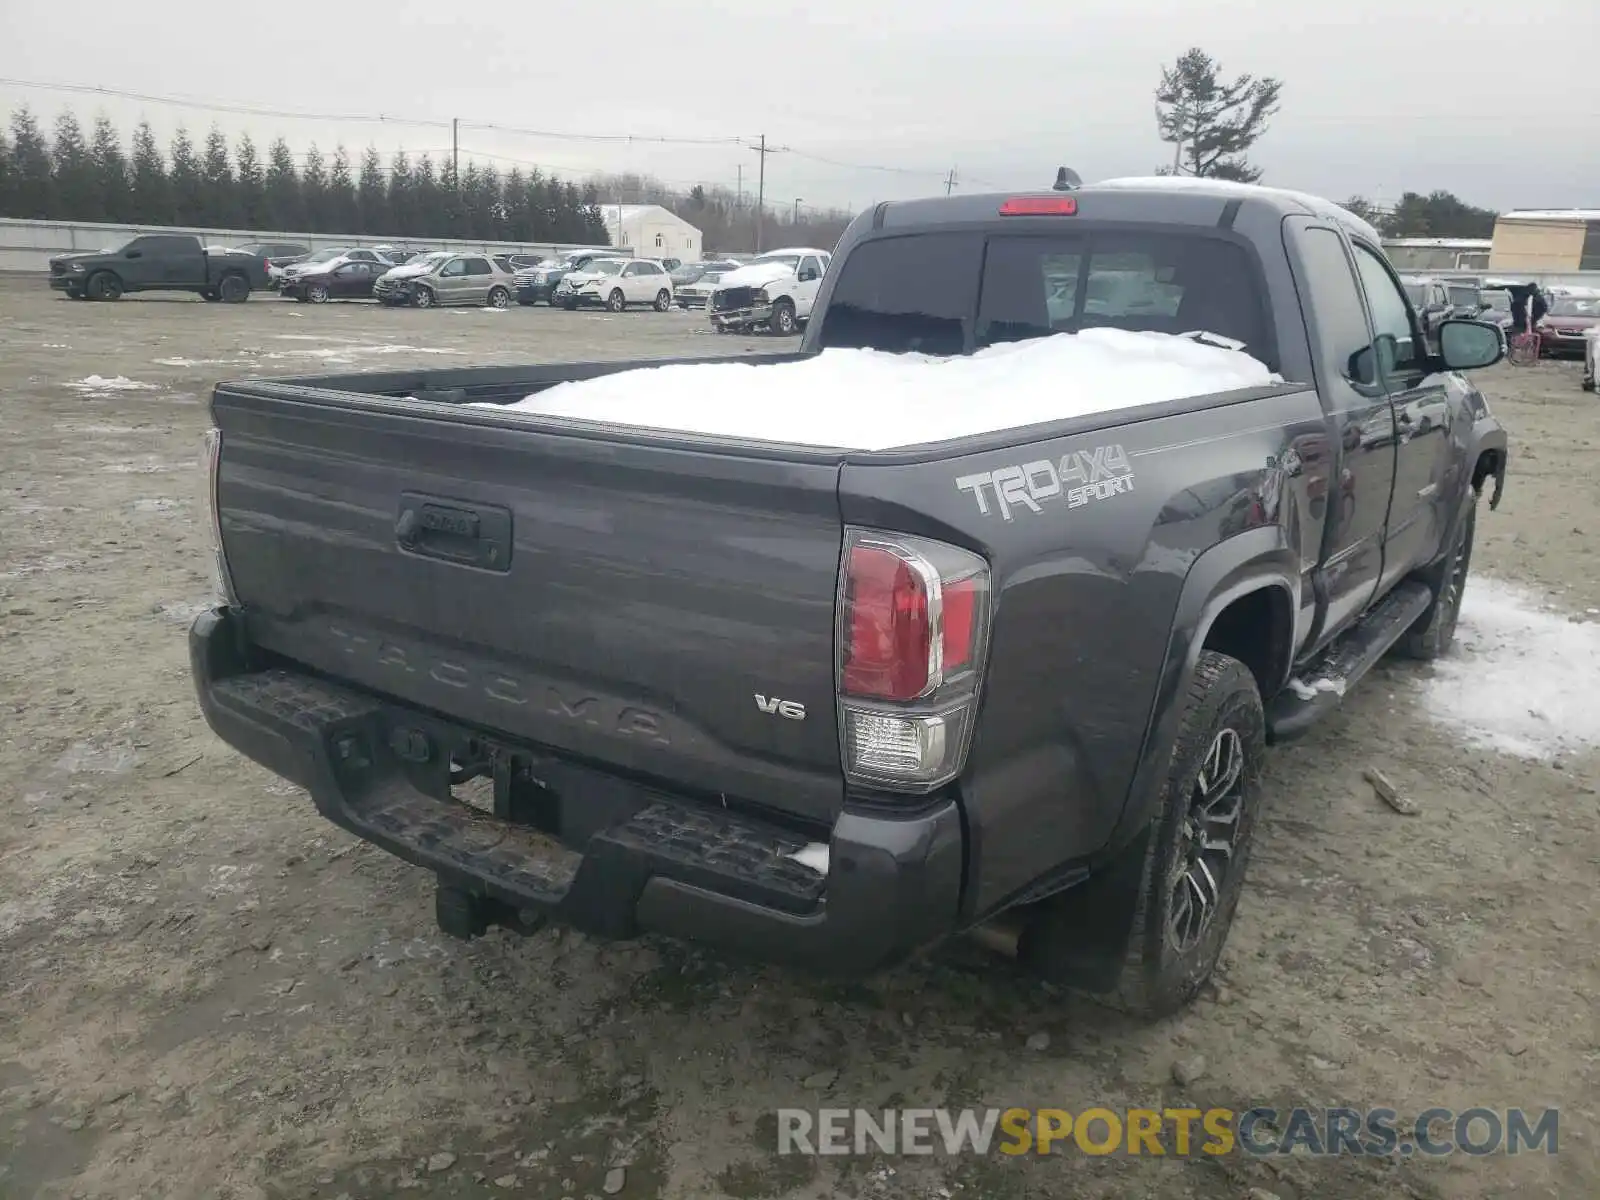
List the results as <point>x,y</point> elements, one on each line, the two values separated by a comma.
<point>1211,124</point>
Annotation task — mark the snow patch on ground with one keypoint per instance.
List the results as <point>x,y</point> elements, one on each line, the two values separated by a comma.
<point>99,384</point>
<point>871,400</point>
<point>195,362</point>
<point>1521,677</point>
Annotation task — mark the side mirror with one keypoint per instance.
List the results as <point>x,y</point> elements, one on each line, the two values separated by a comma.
<point>1469,345</point>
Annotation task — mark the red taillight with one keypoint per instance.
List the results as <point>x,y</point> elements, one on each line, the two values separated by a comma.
<point>889,634</point>
<point>1040,206</point>
<point>960,606</point>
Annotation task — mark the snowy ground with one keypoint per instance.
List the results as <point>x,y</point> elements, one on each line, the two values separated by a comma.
<point>207,991</point>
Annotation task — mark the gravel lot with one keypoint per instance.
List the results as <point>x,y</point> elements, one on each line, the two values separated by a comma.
<point>206,990</point>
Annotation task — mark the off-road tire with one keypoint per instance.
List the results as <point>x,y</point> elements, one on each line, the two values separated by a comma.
<point>1435,629</point>
<point>1157,977</point>
<point>103,285</point>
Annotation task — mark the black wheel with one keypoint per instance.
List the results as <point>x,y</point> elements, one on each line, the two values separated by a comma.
<point>317,293</point>
<point>1587,385</point>
<point>1436,628</point>
<point>499,298</point>
<point>422,297</point>
<point>616,302</point>
<point>234,289</point>
<point>663,300</point>
<point>1197,850</point>
<point>783,320</point>
<point>104,286</point>
<point>210,294</point>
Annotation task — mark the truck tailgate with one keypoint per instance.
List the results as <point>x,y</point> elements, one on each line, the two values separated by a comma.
<point>623,602</point>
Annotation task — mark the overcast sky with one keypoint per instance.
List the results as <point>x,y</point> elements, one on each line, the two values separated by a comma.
<point>1379,97</point>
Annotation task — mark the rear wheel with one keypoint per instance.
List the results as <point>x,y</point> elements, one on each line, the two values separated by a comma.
<point>235,289</point>
<point>499,298</point>
<point>616,302</point>
<point>663,300</point>
<point>104,286</point>
<point>1198,848</point>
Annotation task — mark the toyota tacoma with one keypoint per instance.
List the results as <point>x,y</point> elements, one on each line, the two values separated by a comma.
<point>834,706</point>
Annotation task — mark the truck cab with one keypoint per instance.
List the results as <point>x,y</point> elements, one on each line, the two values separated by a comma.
<point>775,291</point>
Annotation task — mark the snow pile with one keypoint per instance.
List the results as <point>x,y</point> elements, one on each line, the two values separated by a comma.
<point>117,383</point>
<point>1521,678</point>
<point>871,400</point>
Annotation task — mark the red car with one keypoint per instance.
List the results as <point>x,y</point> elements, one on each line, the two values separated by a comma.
<point>1571,316</point>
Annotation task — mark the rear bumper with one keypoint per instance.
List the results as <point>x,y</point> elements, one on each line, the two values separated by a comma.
<point>643,861</point>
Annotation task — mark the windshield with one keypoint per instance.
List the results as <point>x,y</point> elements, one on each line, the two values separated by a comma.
<point>951,292</point>
<point>431,259</point>
<point>789,260</point>
<point>1498,301</point>
<point>1572,307</point>
<point>603,266</point>
<point>1417,293</point>
<point>1464,297</point>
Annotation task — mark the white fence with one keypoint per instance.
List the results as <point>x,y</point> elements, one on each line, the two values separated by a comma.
<point>28,245</point>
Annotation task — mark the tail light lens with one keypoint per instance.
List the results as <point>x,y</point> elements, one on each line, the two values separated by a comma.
<point>211,462</point>
<point>913,626</point>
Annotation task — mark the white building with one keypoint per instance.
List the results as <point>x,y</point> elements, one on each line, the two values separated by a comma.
<point>651,231</point>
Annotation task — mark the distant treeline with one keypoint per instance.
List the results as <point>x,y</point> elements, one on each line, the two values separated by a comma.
<point>72,177</point>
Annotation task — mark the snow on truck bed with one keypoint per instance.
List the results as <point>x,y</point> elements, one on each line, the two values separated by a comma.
<point>873,400</point>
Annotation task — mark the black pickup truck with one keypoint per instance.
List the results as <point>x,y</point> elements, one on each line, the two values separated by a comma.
<point>834,706</point>
<point>159,262</point>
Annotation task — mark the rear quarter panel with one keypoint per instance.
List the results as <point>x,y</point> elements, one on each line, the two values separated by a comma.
<point>1087,577</point>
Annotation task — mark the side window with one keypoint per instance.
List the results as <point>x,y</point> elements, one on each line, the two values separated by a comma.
<point>631,270</point>
<point>1400,350</point>
<point>479,266</point>
<point>902,294</point>
<point>809,268</point>
<point>362,256</point>
<point>653,269</point>
<point>454,269</point>
<point>1341,324</point>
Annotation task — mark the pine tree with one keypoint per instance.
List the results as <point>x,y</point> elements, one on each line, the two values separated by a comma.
<point>518,218</point>
<point>343,214</point>
<point>77,186</point>
<point>111,170</point>
<point>8,177</point>
<point>285,202</point>
<point>403,211</point>
<point>314,187</point>
<point>372,195</point>
<point>188,184</point>
<point>150,202</point>
<point>428,200</point>
<point>33,188</point>
<point>253,208</point>
<point>1212,124</point>
<point>220,202</point>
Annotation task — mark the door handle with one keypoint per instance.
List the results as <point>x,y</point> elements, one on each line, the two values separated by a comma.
<point>457,531</point>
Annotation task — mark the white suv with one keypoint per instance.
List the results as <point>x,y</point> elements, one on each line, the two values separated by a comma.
<point>775,291</point>
<point>615,283</point>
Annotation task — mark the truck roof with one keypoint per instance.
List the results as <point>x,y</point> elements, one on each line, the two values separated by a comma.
<point>1191,201</point>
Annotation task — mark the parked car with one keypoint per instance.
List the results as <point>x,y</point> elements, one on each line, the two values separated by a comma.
<point>833,706</point>
<point>692,282</point>
<point>1431,299</point>
<point>614,284</point>
<point>331,257</point>
<point>276,254</point>
<point>773,291</point>
<point>1496,307</point>
<point>1573,312</point>
<point>340,279</point>
<point>522,262</point>
<point>445,278</point>
<point>539,282</point>
<point>158,262</point>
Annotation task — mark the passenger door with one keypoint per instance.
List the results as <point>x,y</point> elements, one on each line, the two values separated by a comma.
<point>453,281</point>
<point>353,279</point>
<point>1355,506</point>
<point>479,276</point>
<point>182,262</point>
<point>1421,401</point>
<point>631,280</point>
<point>808,279</point>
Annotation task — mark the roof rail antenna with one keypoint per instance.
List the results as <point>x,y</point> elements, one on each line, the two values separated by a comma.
<point>1067,179</point>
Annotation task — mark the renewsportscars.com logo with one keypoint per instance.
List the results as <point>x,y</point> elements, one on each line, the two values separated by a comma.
<point>1162,1132</point>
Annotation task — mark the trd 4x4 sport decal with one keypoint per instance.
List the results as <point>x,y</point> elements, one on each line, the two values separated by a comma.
<point>1079,478</point>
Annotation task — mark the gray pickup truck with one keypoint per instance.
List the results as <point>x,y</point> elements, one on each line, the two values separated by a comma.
<point>831,706</point>
<point>159,262</point>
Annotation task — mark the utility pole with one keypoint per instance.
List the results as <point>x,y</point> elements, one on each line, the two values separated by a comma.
<point>761,186</point>
<point>795,218</point>
<point>950,181</point>
<point>738,197</point>
<point>455,152</point>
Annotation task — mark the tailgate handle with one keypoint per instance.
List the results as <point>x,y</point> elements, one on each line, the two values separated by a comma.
<point>477,535</point>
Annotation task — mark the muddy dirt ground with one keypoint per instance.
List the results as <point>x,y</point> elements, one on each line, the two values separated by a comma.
<point>207,991</point>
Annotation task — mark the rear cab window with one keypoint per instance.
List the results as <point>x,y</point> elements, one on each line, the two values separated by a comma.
<point>954,292</point>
